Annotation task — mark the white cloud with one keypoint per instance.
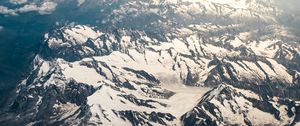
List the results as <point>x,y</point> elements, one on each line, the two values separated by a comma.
<point>47,7</point>
<point>5,10</point>
<point>18,1</point>
<point>1,28</point>
<point>28,8</point>
<point>80,2</point>
<point>43,8</point>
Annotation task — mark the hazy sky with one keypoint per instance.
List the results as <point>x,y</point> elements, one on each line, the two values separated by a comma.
<point>49,6</point>
<point>290,4</point>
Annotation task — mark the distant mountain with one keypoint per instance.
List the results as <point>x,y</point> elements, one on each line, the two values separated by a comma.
<point>164,62</point>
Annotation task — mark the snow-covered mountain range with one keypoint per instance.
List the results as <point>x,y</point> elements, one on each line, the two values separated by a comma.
<point>165,62</point>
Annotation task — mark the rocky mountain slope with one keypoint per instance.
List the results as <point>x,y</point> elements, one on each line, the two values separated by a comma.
<point>204,62</point>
